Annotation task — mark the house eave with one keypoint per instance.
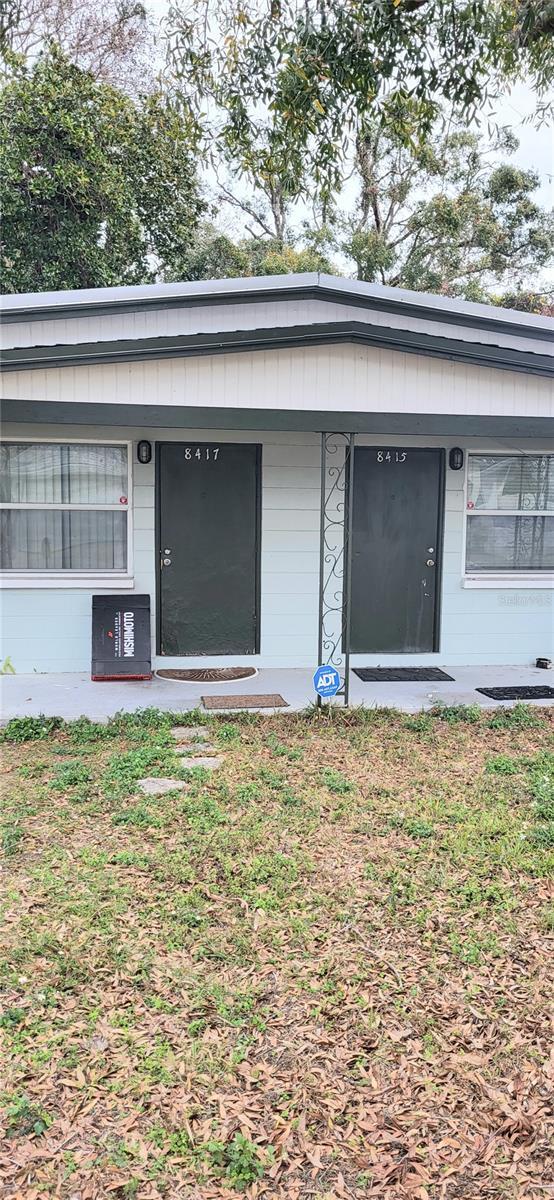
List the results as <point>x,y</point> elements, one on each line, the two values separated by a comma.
<point>280,337</point>
<point>100,302</point>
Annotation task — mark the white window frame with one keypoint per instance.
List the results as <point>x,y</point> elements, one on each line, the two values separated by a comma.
<point>111,580</point>
<point>501,579</point>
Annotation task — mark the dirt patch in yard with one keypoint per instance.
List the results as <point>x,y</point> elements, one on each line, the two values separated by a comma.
<point>324,971</point>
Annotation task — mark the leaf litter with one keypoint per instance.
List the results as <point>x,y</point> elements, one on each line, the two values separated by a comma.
<point>326,972</point>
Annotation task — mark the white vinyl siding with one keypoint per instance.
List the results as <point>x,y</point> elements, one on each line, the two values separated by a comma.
<point>320,378</point>
<point>506,622</point>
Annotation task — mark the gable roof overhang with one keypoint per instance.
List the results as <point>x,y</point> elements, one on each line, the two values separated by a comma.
<point>279,337</point>
<point>226,316</point>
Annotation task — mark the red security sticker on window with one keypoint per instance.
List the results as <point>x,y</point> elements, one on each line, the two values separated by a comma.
<point>470,504</point>
<point>122,499</point>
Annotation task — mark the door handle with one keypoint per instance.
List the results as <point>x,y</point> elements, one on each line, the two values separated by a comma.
<point>430,562</point>
<point>166,562</point>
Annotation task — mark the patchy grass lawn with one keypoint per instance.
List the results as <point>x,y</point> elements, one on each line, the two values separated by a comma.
<point>323,971</point>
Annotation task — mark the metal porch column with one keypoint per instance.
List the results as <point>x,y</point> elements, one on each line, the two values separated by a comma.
<point>335,555</point>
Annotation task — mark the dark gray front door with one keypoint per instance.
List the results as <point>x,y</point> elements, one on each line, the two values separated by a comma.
<point>208,539</point>
<point>396,543</point>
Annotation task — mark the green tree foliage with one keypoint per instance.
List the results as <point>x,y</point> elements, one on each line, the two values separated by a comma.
<point>214,255</point>
<point>292,81</point>
<point>96,190</point>
<point>449,217</point>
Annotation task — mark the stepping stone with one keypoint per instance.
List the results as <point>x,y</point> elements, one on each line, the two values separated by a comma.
<point>185,749</point>
<point>156,786</point>
<point>210,763</point>
<point>186,734</point>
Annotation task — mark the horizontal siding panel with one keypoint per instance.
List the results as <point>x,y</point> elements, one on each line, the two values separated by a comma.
<point>290,521</point>
<point>143,496</point>
<point>144,520</point>
<point>289,541</point>
<point>302,478</point>
<point>293,583</point>
<point>292,605</point>
<point>281,499</point>
<point>33,605</point>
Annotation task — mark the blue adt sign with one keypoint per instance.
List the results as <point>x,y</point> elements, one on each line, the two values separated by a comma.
<point>326,681</point>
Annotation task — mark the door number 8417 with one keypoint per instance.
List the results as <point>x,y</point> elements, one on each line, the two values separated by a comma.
<point>209,453</point>
<point>398,456</point>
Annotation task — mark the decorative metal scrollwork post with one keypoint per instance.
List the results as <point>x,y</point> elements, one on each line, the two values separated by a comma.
<point>335,556</point>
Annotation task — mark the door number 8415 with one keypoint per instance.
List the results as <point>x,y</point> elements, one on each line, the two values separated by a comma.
<point>398,456</point>
<point>206,452</point>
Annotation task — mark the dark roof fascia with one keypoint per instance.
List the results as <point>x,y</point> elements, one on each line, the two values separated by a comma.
<point>155,416</point>
<point>312,291</point>
<point>187,345</point>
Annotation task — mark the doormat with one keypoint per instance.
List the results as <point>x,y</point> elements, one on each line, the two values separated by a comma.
<point>518,693</point>
<point>265,701</point>
<point>401,674</point>
<point>208,674</point>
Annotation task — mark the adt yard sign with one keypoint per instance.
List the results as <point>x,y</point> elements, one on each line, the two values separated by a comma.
<point>326,681</point>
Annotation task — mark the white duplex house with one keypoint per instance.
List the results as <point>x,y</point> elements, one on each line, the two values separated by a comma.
<point>290,468</point>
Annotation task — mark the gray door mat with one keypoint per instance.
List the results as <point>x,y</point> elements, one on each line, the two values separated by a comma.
<point>401,674</point>
<point>267,700</point>
<point>518,693</point>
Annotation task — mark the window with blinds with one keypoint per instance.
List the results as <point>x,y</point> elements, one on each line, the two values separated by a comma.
<point>63,507</point>
<point>510,513</point>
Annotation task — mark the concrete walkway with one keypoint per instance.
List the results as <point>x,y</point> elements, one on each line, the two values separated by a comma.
<point>74,695</point>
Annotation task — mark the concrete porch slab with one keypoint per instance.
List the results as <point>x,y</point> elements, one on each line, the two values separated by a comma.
<point>74,695</point>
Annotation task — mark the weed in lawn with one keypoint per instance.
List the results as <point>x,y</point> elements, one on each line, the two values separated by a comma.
<point>239,1161</point>
<point>473,950</point>
<point>29,729</point>
<point>227,734</point>
<point>281,750</point>
<point>521,716</point>
<point>542,836</point>
<point>31,770</point>
<point>247,793</point>
<point>126,768</point>
<point>336,783</point>
<point>137,815</point>
<point>25,1118</point>
<point>540,779</point>
<point>455,714</point>
<point>202,812</point>
<point>84,732</point>
<point>11,1018</point>
<point>547,919</point>
<point>273,779</point>
<point>502,764</point>
<point>421,722</point>
<point>415,827</point>
<point>70,774</point>
<point>11,837</point>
